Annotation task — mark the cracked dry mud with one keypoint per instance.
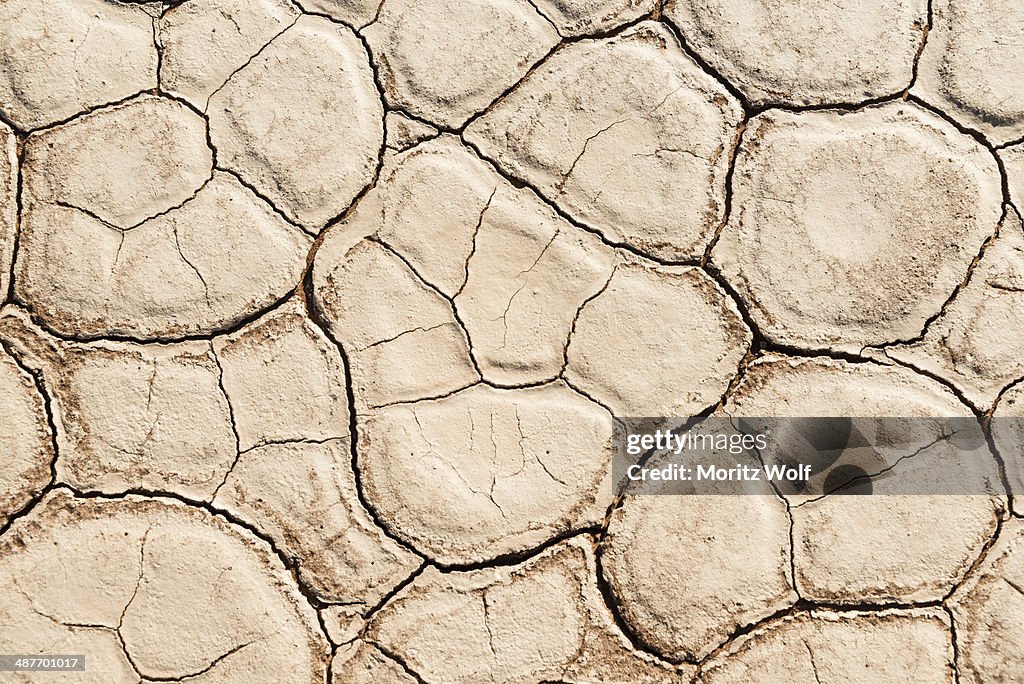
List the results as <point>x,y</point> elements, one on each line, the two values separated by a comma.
<point>317,317</point>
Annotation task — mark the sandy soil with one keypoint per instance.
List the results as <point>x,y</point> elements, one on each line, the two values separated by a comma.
<point>317,315</point>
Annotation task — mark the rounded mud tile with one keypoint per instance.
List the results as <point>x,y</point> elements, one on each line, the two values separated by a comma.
<point>826,242</point>
<point>657,341</point>
<point>75,56</point>
<point>128,232</point>
<point>205,43</point>
<point>185,593</point>
<point>401,337</point>
<point>443,61</point>
<point>663,560</point>
<point>285,380</point>
<point>989,612</point>
<point>303,496</point>
<point>485,472</point>
<point>810,52</point>
<point>890,546</point>
<point>855,647</point>
<point>456,258</point>
<point>131,416</point>
<point>302,121</point>
<point>627,135</point>
<point>970,67</point>
<point>540,620</point>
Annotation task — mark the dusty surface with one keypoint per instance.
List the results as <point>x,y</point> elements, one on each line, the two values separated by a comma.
<point>810,52</point>
<point>822,646</point>
<point>966,68</point>
<point>871,270</point>
<point>316,318</point>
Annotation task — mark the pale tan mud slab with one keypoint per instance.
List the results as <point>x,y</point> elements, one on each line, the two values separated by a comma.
<point>825,243</point>
<point>596,129</point>
<point>301,122</point>
<point>688,612</point>
<point>444,61</point>
<point>316,315</point>
<point>127,231</point>
<point>887,547</point>
<point>132,416</point>
<point>971,65</point>
<point>856,647</point>
<point>153,589</point>
<point>487,472</point>
<point>535,621</point>
<point>205,43</point>
<point>656,341</point>
<point>988,616</point>
<point>430,289</point>
<point>214,422</point>
<point>76,55</point>
<point>809,52</point>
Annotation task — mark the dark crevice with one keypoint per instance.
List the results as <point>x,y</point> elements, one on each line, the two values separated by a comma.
<point>515,557</point>
<point>451,302</point>
<point>256,191</point>
<point>706,67</point>
<point>729,173</point>
<point>954,641</point>
<point>19,212</point>
<point>290,563</point>
<point>319,319</point>
<point>545,17</point>
<point>576,317</point>
<point>386,598</point>
<point>979,412</point>
<point>86,112</point>
<point>978,137</point>
<point>925,31</point>
<point>400,661</point>
<point>231,419</point>
<point>919,337</point>
<point>472,251</point>
<point>41,387</point>
<point>432,397</point>
<point>230,327</point>
<point>249,61</point>
<point>972,569</point>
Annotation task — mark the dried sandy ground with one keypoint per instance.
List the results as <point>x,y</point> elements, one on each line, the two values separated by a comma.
<point>316,314</point>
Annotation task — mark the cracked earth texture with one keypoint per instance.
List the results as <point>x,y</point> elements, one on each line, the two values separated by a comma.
<point>317,316</point>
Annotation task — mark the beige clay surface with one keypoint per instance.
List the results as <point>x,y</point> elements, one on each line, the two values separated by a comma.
<point>318,318</point>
